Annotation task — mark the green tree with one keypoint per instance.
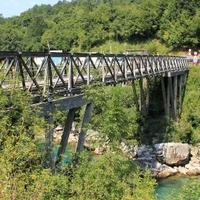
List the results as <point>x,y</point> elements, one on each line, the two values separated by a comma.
<point>111,176</point>
<point>82,25</point>
<point>137,20</point>
<point>11,37</point>
<point>34,32</point>
<point>179,26</point>
<point>183,32</point>
<point>60,36</point>
<point>114,114</point>
<point>22,175</point>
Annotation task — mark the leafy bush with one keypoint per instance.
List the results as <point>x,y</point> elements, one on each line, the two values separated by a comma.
<point>23,176</point>
<point>114,112</point>
<point>190,191</point>
<point>111,176</point>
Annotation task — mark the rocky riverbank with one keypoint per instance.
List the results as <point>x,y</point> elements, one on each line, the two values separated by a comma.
<point>93,142</point>
<point>166,159</point>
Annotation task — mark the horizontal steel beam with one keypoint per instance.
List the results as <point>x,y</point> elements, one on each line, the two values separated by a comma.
<point>67,54</point>
<point>65,103</point>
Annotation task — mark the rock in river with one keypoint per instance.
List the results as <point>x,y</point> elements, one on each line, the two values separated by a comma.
<point>173,154</point>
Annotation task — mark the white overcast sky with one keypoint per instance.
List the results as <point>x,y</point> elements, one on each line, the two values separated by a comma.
<point>14,7</point>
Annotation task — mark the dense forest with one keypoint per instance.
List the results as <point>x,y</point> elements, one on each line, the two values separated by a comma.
<point>85,25</point>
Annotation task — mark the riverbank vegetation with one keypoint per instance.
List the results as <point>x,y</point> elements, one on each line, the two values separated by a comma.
<point>179,188</point>
<point>104,25</point>
<point>25,175</point>
<point>114,112</point>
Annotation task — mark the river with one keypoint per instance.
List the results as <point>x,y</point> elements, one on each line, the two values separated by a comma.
<point>171,187</point>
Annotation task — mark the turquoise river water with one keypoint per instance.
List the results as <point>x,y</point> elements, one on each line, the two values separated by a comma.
<point>172,186</point>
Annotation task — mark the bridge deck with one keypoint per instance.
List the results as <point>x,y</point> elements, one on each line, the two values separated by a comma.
<point>54,73</point>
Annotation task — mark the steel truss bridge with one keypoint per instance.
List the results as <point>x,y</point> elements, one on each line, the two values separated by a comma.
<point>56,79</point>
<point>53,73</point>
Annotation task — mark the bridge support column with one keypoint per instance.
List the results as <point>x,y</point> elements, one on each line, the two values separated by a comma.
<point>67,103</point>
<point>147,97</point>
<point>164,94</point>
<point>175,79</point>
<point>182,88</point>
<point>141,98</point>
<point>173,88</point>
<point>86,120</point>
<point>49,140</point>
<point>65,136</point>
<point>169,97</point>
<point>135,96</point>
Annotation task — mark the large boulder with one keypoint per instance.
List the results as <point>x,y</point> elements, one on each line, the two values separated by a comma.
<point>173,154</point>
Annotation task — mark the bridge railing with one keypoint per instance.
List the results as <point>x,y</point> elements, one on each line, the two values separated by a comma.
<point>48,73</point>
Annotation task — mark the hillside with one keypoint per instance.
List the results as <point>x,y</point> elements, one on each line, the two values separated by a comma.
<point>105,25</point>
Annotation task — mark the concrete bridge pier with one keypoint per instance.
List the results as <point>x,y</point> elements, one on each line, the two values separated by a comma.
<point>49,155</point>
<point>65,136</point>
<point>85,121</point>
<point>173,90</point>
<point>72,104</point>
<point>67,129</point>
<point>141,95</point>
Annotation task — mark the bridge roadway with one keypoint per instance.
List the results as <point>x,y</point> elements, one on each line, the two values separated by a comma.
<point>57,78</point>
